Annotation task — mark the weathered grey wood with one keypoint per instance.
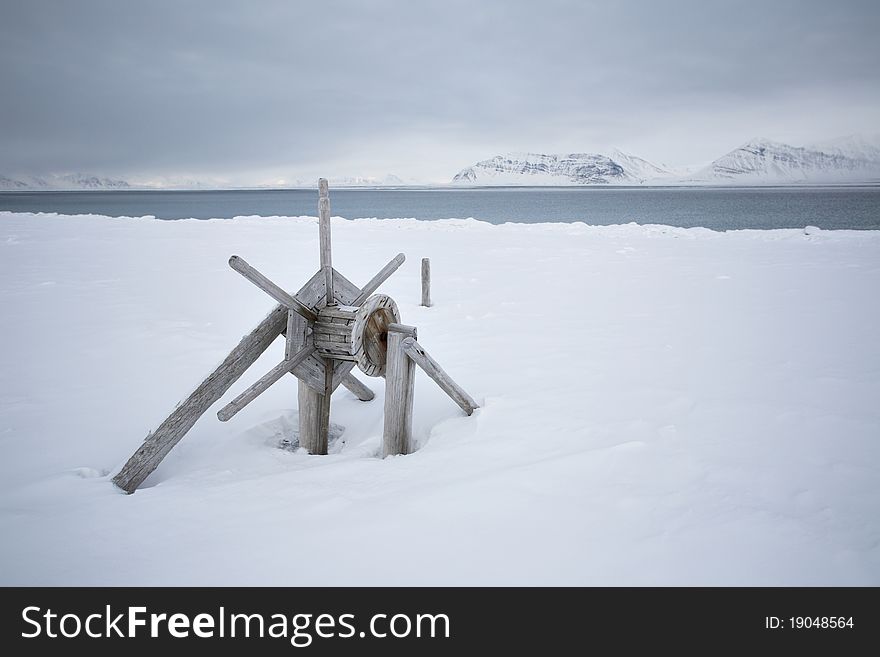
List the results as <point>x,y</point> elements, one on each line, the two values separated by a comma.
<point>324,411</point>
<point>368,334</point>
<point>263,384</point>
<point>356,386</point>
<point>332,329</point>
<point>426,282</point>
<point>408,331</point>
<point>379,278</point>
<point>309,403</point>
<point>292,337</point>
<point>399,384</point>
<point>340,346</point>
<point>242,267</point>
<point>432,368</point>
<point>332,312</point>
<point>324,233</point>
<point>314,415</point>
<point>332,332</point>
<point>161,441</point>
<point>312,370</point>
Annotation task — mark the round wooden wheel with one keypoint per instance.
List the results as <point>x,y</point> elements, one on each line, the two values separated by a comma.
<point>369,335</point>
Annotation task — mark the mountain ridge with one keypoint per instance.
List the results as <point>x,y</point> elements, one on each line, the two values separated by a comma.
<point>852,159</point>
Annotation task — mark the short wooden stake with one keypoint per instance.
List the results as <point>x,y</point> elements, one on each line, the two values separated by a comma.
<point>426,282</point>
<point>399,385</point>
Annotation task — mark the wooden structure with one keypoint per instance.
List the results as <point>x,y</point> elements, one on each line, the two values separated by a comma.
<point>330,326</point>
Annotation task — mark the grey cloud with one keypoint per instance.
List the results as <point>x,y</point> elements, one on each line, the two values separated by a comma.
<point>227,88</point>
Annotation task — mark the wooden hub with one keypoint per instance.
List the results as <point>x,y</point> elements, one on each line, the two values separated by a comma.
<point>357,334</point>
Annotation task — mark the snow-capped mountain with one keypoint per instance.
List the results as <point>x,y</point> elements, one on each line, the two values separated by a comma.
<point>11,184</point>
<point>388,180</point>
<point>70,181</point>
<point>615,167</point>
<point>762,161</point>
<point>857,147</point>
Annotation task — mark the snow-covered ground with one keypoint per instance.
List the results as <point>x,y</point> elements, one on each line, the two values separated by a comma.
<point>659,406</point>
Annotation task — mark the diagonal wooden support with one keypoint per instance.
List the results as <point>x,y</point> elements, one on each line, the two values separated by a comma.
<point>242,267</point>
<point>263,384</point>
<point>161,441</point>
<point>360,390</point>
<point>432,368</point>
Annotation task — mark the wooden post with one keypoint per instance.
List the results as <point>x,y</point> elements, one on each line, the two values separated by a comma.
<point>314,413</point>
<point>360,390</point>
<point>309,403</point>
<point>432,368</point>
<point>426,282</point>
<point>161,441</point>
<point>399,384</point>
<point>324,231</point>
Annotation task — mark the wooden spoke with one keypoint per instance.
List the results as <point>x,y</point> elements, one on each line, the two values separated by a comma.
<point>379,278</point>
<point>263,384</point>
<point>242,267</point>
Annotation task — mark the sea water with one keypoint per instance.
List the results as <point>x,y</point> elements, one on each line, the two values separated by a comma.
<point>718,208</point>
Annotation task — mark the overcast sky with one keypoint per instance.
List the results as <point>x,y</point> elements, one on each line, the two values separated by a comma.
<point>256,91</point>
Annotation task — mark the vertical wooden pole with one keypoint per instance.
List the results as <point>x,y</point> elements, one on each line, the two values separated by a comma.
<point>309,409</point>
<point>314,407</point>
<point>399,383</point>
<point>426,282</point>
<point>324,230</point>
<point>324,410</point>
<point>314,413</point>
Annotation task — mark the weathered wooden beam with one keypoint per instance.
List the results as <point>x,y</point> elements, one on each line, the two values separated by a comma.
<point>324,233</point>
<point>399,387</point>
<point>312,370</point>
<point>379,278</point>
<point>242,267</point>
<point>309,403</point>
<point>356,386</point>
<point>314,413</point>
<point>426,282</point>
<point>161,441</point>
<point>292,337</point>
<point>432,368</point>
<point>263,384</point>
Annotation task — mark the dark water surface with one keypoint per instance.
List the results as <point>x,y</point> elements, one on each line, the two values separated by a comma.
<point>716,208</point>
